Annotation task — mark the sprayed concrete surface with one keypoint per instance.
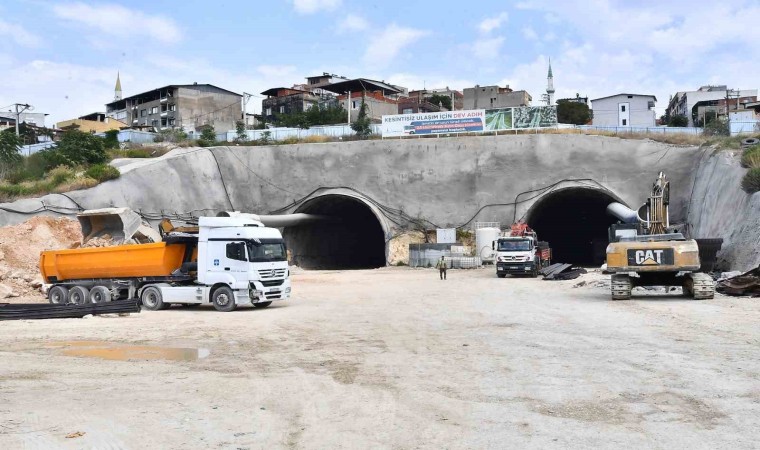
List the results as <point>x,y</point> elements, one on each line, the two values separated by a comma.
<point>393,358</point>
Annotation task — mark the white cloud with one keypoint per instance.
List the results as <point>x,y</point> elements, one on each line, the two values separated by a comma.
<point>385,46</point>
<point>352,22</point>
<point>116,20</point>
<point>18,34</point>
<point>491,23</point>
<point>487,48</point>
<point>529,33</point>
<point>312,6</point>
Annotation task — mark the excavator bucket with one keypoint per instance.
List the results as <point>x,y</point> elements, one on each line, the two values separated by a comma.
<point>117,224</point>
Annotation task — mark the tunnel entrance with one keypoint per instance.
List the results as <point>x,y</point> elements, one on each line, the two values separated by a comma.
<point>575,223</point>
<point>354,240</point>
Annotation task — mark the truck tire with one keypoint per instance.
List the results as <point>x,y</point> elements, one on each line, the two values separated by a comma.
<point>262,304</point>
<point>79,295</point>
<point>100,294</point>
<point>501,275</point>
<point>151,299</point>
<point>223,299</point>
<point>58,295</point>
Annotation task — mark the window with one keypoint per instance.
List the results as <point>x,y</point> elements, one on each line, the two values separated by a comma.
<point>236,251</point>
<point>172,107</point>
<point>163,122</point>
<point>154,110</point>
<point>282,110</point>
<point>354,104</point>
<point>164,107</point>
<point>622,108</point>
<point>630,96</point>
<point>143,112</point>
<point>172,122</point>
<point>269,112</point>
<point>154,123</point>
<point>267,250</point>
<point>625,122</point>
<point>407,111</point>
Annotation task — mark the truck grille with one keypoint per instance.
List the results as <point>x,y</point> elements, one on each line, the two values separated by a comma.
<point>272,273</point>
<point>270,283</point>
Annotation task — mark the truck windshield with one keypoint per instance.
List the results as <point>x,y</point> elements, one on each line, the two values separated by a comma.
<point>521,245</point>
<point>267,250</point>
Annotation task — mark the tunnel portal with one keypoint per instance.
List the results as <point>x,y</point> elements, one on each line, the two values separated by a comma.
<point>575,224</point>
<point>353,240</point>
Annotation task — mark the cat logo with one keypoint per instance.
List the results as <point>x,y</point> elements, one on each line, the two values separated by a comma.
<point>649,257</point>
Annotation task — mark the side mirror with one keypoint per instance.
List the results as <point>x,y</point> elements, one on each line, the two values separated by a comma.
<point>493,245</point>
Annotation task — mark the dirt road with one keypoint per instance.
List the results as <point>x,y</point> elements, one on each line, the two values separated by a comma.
<point>393,358</point>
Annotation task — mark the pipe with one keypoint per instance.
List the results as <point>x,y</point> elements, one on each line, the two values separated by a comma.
<point>280,220</point>
<point>622,212</point>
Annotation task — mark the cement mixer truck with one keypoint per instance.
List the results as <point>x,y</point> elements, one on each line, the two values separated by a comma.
<point>224,261</point>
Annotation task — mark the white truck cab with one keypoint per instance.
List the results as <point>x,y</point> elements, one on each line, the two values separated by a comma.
<point>516,255</point>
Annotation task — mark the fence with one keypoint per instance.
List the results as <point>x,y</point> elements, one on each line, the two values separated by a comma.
<point>428,255</point>
<point>278,134</point>
<point>630,130</point>
<point>31,149</point>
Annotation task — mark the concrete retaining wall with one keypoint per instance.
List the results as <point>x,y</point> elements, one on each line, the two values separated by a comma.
<point>721,209</point>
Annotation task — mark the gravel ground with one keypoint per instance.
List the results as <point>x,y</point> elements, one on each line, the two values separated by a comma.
<point>393,358</point>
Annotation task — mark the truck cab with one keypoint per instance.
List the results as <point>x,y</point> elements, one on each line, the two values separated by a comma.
<point>516,255</point>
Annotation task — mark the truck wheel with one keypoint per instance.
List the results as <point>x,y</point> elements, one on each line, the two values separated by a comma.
<point>501,275</point>
<point>223,299</point>
<point>151,298</point>
<point>100,294</point>
<point>58,295</point>
<point>79,295</point>
<point>262,304</point>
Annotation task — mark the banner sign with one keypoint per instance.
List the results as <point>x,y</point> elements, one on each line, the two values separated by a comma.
<point>434,123</point>
<point>467,121</point>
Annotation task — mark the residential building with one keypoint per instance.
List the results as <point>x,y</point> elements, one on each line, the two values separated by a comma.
<point>492,97</point>
<point>423,95</point>
<point>576,99</point>
<point>624,110</point>
<point>97,122</point>
<point>707,101</point>
<point>284,101</point>
<point>381,98</point>
<point>185,106</point>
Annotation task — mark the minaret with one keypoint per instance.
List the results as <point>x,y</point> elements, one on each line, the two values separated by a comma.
<point>550,85</point>
<point>117,89</point>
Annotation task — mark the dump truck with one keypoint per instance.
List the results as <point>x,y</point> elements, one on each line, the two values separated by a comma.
<point>230,261</point>
<point>520,252</point>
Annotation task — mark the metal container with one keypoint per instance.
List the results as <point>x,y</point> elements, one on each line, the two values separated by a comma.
<point>484,238</point>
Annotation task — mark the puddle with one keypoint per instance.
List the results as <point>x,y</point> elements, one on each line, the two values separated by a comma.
<point>125,352</point>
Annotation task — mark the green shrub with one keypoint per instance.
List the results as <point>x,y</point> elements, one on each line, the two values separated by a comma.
<point>751,157</point>
<point>289,140</point>
<point>751,181</point>
<point>112,139</point>
<point>103,172</point>
<point>60,175</point>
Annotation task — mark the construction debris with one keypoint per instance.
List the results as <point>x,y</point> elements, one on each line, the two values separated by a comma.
<point>560,271</point>
<point>28,311</point>
<point>747,283</point>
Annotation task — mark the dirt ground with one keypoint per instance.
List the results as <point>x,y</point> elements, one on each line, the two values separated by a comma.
<point>393,358</point>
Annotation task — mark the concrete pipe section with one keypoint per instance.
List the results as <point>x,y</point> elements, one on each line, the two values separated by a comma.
<point>575,222</point>
<point>352,239</point>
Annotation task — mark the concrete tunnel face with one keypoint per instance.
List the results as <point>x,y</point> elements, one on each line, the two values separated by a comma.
<point>354,240</point>
<point>575,223</point>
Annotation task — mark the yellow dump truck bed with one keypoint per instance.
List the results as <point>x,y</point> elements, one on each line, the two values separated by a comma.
<point>123,261</point>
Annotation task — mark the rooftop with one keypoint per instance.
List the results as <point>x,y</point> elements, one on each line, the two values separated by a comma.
<point>361,84</point>
<point>623,93</point>
<point>152,93</point>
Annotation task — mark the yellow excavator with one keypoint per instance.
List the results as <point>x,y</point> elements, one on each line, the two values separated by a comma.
<point>645,250</point>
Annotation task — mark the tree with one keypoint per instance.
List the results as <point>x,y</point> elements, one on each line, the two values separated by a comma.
<point>111,140</point>
<point>575,113</point>
<point>208,136</point>
<point>10,145</point>
<point>679,120</point>
<point>76,148</point>
<point>437,99</point>
<point>362,125</point>
<point>242,136</point>
<point>329,114</point>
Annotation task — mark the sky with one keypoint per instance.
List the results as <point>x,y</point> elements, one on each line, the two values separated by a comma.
<point>62,56</point>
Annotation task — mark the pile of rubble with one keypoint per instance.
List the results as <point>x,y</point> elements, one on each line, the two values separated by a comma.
<point>737,283</point>
<point>20,247</point>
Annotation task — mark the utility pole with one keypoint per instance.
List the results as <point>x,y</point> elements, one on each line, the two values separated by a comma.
<point>25,107</point>
<point>246,97</point>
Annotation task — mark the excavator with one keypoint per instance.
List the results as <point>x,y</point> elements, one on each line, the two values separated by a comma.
<point>645,250</point>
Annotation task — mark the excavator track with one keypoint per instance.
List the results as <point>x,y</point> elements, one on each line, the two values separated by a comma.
<point>700,286</point>
<point>621,287</point>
